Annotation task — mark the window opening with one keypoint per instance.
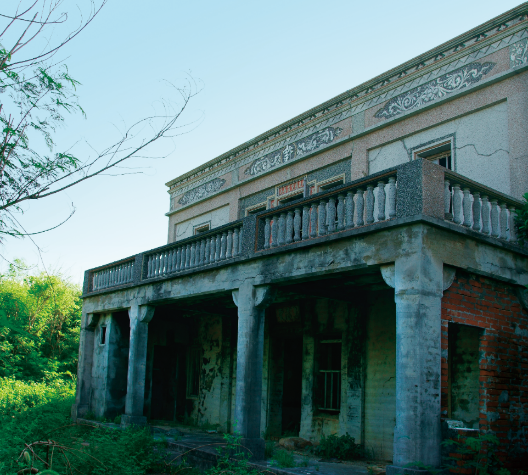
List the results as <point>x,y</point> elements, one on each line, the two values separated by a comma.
<point>330,375</point>
<point>193,372</point>
<point>439,154</point>
<point>289,199</point>
<point>103,335</point>
<point>332,184</point>
<point>256,209</point>
<point>202,228</point>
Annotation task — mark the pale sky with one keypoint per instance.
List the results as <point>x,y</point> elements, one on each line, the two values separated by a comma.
<point>261,63</point>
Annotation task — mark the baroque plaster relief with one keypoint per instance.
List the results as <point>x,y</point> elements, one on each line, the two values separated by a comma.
<point>293,150</point>
<point>437,88</point>
<point>201,191</point>
<point>519,53</point>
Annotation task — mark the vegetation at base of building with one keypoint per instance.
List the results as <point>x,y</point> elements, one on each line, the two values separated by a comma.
<point>44,433</point>
<point>283,459</point>
<point>342,447</point>
<point>477,453</point>
<point>522,221</point>
<point>233,458</point>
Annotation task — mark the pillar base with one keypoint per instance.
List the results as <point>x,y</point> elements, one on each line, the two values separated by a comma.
<point>255,447</point>
<point>394,470</point>
<point>127,421</point>
<point>78,411</point>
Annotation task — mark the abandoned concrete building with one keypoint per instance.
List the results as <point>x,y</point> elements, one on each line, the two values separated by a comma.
<point>353,270</point>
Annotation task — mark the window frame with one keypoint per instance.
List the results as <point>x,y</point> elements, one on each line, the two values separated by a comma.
<point>338,372</point>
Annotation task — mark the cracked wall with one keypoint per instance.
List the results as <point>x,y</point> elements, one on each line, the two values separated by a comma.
<point>480,147</point>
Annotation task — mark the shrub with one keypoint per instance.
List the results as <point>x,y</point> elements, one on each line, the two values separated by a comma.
<point>340,447</point>
<point>522,221</point>
<point>284,459</point>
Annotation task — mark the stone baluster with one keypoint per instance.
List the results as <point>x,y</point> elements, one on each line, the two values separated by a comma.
<point>235,242</point>
<point>313,221</point>
<point>181,258</point>
<point>169,261</point>
<point>370,204</point>
<point>503,221</point>
<point>485,210</point>
<point>289,227</point>
<point>218,250</point>
<point>155,273</point>
<point>331,214</point>
<point>177,264</point>
<point>297,225</point>
<point>188,257</point>
<point>322,218</point>
<point>457,204</point>
<point>229,249</point>
<point>466,205</point>
<point>381,201</point>
<point>340,212</point>
<point>267,233</point>
<point>149,268</point>
<point>495,225</point>
<point>447,200</point>
<point>282,229</point>
<point>212,250</point>
<point>275,231</point>
<point>476,211</point>
<point>193,255</point>
<point>306,222</point>
<point>240,233</point>
<point>360,203</point>
<point>349,210</point>
<point>223,246</point>
<point>513,224</point>
<point>202,252</point>
<point>391,198</point>
<point>207,254</point>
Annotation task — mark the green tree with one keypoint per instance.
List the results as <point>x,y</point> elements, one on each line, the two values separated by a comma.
<point>36,93</point>
<point>40,322</point>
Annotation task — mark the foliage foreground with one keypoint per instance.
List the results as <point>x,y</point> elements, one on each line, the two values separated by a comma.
<point>37,433</point>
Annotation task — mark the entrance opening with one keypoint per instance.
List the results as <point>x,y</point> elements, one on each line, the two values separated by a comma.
<point>118,339</point>
<point>168,382</point>
<point>292,388</point>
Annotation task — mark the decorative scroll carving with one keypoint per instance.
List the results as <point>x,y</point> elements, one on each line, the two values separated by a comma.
<point>519,53</point>
<point>202,191</point>
<point>437,88</point>
<point>293,150</point>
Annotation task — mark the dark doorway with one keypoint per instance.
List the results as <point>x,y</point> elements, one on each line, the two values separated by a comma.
<point>164,378</point>
<point>292,388</point>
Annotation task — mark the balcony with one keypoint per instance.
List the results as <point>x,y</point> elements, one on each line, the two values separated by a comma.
<point>412,192</point>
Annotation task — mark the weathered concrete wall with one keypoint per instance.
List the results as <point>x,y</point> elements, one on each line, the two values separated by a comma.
<point>380,381</point>
<point>100,368</point>
<point>214,218</point>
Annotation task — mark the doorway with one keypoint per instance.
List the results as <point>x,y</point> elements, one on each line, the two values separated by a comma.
<point>292,386</point>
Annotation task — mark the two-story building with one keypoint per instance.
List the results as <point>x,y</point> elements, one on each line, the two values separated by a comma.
<point>353,270</point>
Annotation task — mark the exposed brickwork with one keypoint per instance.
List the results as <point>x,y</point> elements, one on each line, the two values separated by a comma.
<point>493,306</point>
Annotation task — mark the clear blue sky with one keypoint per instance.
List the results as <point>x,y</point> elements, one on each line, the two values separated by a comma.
<point>261,63</point>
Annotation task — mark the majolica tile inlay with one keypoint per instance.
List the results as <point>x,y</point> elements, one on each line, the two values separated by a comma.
<point>519,53</point>
<point>201,191</point>
<point>437,88</point>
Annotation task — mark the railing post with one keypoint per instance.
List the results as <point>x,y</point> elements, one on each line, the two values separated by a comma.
<point>466,204</point>
<point>503,221</point>
<point>381,201</point>
<point>229,250</point>
<point>306,222</point>
<point>331,214</point>
<point>495,231</point>
<point>235,242</point>
<point>457,204</point>
<point>349,209</point>
<point>313,221</point>
<point>359,207</point>
<point>476,211</point>
<point>267,233</point>
<point>340,212</point>
<point>391,197</point>
<point>275,231</point>
<point>322,218</point>
<point>297,225</point>
<point>513,225</point>
<point>485,215</point>
<point>370,204</point>
<point>289,227</point>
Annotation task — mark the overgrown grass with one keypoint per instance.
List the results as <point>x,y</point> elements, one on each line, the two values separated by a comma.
<point>31,414</point>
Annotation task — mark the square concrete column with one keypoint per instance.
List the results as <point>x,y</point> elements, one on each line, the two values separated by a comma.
<point>84,366</point>
<point>418,280</point>
<point>140,316</point>
<point>251,302</point>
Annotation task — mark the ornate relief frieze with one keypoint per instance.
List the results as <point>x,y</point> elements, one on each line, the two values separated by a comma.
<point>293,150</point>
<point>519,53</point>
<point>202,191</point>
<point>437,88</point>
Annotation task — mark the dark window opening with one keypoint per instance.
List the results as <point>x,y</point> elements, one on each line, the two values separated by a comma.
<point>193,372</point>
<point>333,184</point>
<point>283,201</point>
<point>439,154</point>
<point>103,335</point>
<point>463,374</point>
<point>202,229</point>
<point>256,210</point>
<point>329,378</point>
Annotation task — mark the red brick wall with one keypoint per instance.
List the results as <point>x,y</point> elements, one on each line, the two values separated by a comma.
<point>494,307</point>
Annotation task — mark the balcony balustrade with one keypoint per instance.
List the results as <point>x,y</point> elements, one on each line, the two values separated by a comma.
<point>417,190</point>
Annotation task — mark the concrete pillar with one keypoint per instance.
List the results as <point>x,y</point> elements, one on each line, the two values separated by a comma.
<point>84,367</point>
<point>251,302</point>
<point>140,316</point>
<point>418,281</point>
<point>308,362</point>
